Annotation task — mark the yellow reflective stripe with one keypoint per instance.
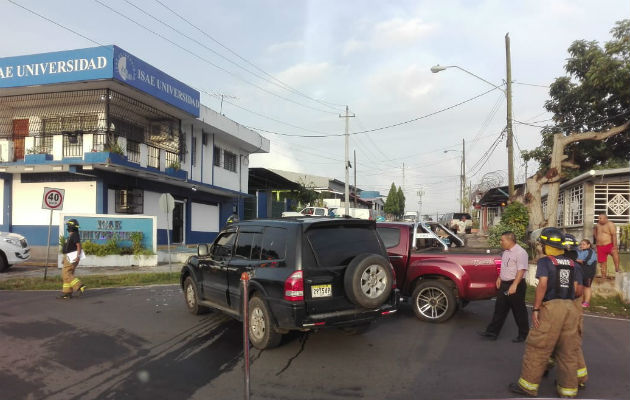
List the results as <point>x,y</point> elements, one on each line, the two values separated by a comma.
<point>543,237</point>
<point>527,385</point>
<point>566,391</point>
<point>581,373</point>
<point>555,239</point>
<point>67,285</point>
<point>74,281</point>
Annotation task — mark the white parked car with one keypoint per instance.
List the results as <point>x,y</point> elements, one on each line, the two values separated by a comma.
<point>14,249</point>
<point>308,211</point>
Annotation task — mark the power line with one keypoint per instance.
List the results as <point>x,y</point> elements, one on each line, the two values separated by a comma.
<point>210,49</point>
<point>531,84</point>
<point>210,62</point>
<point>56,23</point>
<point>383,127</point>
<point>280,83</point>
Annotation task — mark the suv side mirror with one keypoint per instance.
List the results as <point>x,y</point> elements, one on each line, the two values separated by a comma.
<point>202,250</point>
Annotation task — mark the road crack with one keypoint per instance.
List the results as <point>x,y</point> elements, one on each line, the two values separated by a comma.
<point>303,340</point>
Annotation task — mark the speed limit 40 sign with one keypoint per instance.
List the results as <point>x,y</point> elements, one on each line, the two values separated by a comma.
<point>53,199</point>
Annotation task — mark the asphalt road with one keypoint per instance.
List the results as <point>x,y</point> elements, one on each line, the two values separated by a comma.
<point>141,343</point>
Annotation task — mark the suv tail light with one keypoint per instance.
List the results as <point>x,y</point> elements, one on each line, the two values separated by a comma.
<point>294,287</point>
<point>497,263</point>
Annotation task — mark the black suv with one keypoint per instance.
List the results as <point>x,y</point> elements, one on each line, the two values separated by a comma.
<point>306,273</point>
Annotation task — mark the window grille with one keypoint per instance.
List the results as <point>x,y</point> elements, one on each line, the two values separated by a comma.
<point>170,159</point>
<point>230,161</point>
<point>560,216</point>
<point>613,199</point>
<point>72,144</point>
<point>133,151</point>
<point>574,206</point>
<point>129,201</point>
<point>153,157</point>
<point>217,156</point>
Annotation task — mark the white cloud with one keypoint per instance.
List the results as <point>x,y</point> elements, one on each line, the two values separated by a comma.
<point>392,32</point>
<point>412,82</point>
<point>304,73</point>
<point>285,46</point>
<point>399,30</point>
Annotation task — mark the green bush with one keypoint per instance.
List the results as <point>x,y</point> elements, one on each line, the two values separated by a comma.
<point>112,247</point>
<point>515,218</point>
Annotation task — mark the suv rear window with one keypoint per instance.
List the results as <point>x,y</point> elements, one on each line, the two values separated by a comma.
<point>338,245</point>
<point>390,236</point>
<point>274,244</point>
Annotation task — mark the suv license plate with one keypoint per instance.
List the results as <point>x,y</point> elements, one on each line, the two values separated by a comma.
<point>321,291</point>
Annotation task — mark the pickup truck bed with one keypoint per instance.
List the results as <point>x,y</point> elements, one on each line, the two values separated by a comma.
<point>436,278</point>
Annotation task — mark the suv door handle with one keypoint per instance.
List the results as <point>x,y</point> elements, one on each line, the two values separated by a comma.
<point>395,256</point>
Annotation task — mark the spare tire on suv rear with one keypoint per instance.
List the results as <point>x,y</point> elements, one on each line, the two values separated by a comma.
<point>368,280</point>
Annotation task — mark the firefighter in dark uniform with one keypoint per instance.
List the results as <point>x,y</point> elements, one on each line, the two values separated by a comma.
<point>72,248</point>
<point>555,320</point>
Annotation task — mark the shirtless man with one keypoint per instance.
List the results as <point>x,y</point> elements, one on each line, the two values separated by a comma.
<point>605,235</point>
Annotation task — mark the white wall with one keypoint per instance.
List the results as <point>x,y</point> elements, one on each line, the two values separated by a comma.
<point>205,218</point>
<point>228,179</point>
<point>2,201</point>
<point>80,197</point>
<point>152,207</point>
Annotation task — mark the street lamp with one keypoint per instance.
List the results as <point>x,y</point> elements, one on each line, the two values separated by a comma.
<point>508,94</point>
<point>462,176</point>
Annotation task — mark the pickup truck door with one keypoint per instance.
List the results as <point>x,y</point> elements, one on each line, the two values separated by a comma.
<point>396,240</point>
<point>214,269</point>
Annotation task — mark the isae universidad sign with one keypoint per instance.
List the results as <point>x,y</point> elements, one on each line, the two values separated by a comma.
<point>96,63</point>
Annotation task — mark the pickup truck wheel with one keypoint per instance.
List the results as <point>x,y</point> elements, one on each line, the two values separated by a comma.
<point>261,331</point>
<point>368,280</point>
<point>192,298</point>
<point>434,301</point>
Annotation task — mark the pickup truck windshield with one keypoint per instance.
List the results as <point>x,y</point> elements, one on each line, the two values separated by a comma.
<point>338,245</point>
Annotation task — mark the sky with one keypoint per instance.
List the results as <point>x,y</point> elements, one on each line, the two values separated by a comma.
<point>288,69</point>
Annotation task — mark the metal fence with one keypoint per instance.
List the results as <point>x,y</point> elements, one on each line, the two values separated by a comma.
<point>153,159</point>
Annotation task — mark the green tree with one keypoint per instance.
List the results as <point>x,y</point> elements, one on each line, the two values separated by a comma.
<point>305,194</point>
<point>391,204</point>
<point>401,202</point>
<point>515,218</point>
<point>591,103</point>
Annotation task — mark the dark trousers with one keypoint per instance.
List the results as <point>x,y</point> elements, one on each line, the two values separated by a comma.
<point>505,303</point>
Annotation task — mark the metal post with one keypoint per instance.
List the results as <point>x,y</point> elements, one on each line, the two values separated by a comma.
<point>463,174</point>
<point>48,246</point>
<point>245,288</point>
<point>168,240</point>
<point>347,159</point>
<point>508,95</point>
<point>355,178</point>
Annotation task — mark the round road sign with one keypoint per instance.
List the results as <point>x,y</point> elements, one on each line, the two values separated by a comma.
<point>53,199</point>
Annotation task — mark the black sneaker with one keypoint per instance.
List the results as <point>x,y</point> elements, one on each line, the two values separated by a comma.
<point>488,335</point>
<point>65,296</point>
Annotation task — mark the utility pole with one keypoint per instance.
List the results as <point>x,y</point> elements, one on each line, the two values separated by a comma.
<point>355,178</point>
<point>403,187</point>
<point>420,193</point>
<point>347,135</point>
<point>508,94</point>
<point>224,96</point>
<point>462,192</point>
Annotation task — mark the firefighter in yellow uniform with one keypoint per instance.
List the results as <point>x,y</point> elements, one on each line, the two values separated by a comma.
<point>72,248</point>
<point>555,321</point>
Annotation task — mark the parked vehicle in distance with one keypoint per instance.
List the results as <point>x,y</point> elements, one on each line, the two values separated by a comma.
<point>308,211</point>
<point>362,213</point>
<point>436,278</point>
<point>410,216</point>
<point>14,249</point>
<point>451,220</point>
<point>305,274</point>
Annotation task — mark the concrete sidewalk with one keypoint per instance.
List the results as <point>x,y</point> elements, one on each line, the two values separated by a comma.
<point>36,269</point>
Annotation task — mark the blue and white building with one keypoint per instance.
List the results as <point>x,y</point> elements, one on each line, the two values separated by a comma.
<point>115,133</point>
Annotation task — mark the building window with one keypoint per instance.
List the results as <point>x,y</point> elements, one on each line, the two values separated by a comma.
<point>153,157</point>
<point>217,156</point>
<point>129,201</point>
<point>171,160</point>
<point>560,216</point>
<point>230,161</point>
<point>133,151</point>
<point>193,151</point>
<point>613,199</point>
<point>574,206</point>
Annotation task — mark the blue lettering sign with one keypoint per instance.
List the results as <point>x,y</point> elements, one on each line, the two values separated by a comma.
<point>135,72</point>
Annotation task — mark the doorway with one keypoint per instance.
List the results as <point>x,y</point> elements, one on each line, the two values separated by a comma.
<point>20,131</point>
<point>178,222</point>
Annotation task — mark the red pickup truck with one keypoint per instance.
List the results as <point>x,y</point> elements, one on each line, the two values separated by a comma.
<point>435,271</point>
